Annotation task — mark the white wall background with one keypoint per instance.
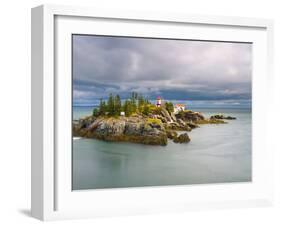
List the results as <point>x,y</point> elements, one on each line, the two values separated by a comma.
<point>15,112</point>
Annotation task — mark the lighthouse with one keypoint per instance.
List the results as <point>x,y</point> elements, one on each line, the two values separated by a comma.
<point>158,102</point>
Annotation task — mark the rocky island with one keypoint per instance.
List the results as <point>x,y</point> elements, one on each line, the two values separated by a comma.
<point>139,121</point>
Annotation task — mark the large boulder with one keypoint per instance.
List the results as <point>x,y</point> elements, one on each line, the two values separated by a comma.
<point>190,116</point>
<point>177,126</point>
<point>182,138</point>
<point>171,134</point>
<point>110,127</point>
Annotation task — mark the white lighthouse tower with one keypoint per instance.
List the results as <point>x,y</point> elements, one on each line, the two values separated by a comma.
<point>158,102</point>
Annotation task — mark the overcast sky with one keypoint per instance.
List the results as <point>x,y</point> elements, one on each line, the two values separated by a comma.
<point>172,69</point>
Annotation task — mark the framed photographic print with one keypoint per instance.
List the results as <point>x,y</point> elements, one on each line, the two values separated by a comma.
<point>137,112</point>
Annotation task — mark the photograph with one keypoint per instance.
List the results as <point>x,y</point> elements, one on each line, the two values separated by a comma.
<point>152,111</point>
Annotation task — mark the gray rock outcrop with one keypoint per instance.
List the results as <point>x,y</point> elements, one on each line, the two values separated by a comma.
<point>182,138</point>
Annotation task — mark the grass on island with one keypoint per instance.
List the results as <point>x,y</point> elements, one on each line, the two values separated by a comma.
<point>210,121</point>
<point>154,121</point>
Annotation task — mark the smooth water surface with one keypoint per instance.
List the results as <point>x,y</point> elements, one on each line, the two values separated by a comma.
<point>216,154</point>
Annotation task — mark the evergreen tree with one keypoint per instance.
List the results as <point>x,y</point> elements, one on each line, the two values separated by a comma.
<point>128,108</point>
<point>141,101</point>
<point>96,112</point>
<point>169,107</point>
<point>145,110</point>
<point>134,96</point>
<point>133,102</point>
<point>102,107</point>
<point>117,105</point>
<point>110,105</point>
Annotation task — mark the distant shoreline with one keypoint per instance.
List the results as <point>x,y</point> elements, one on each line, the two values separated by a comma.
<point>190,107</point>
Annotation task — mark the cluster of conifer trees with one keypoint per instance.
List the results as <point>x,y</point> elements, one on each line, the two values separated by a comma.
<point>114,106</point>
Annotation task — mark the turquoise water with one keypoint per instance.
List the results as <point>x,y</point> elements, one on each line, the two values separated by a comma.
<point>216,154</point>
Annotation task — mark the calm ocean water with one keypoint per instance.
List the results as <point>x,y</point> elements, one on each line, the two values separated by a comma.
<point>216,154</point>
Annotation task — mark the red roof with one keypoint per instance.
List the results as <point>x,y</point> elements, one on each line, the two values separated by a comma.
<point>180,105</point>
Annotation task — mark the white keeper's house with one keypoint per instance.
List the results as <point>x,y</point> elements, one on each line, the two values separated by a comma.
<point>178,108</point>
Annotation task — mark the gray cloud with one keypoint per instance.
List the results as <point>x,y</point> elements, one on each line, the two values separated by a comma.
<point>193,70</point>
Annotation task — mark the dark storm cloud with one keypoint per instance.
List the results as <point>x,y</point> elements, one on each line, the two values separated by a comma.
<point>192,70</point>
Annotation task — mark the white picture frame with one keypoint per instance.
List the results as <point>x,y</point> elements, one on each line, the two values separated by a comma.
<point>52,198</point>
